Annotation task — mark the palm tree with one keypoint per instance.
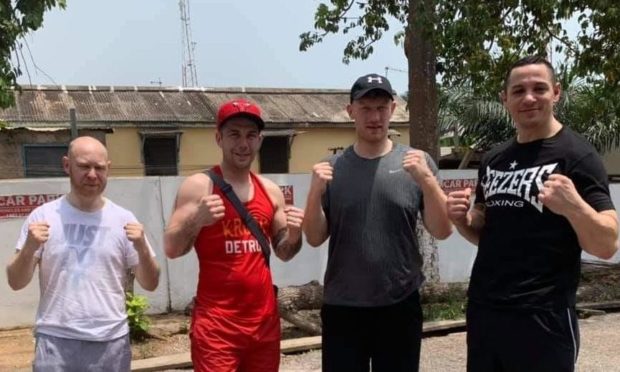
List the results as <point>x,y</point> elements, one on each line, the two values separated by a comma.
<point>592,109</point>
<point>473,123</point>
<point>476,123</point>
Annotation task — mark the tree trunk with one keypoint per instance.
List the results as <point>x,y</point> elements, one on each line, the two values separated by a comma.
<point>423,130</point>
<point>304,297</point>
<point>422,104</point>
<point>429,252</point>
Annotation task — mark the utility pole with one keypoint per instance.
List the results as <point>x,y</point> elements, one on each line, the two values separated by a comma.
<point>189,76</point>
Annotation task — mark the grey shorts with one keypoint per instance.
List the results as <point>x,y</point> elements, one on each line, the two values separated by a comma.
<point>67,355</point>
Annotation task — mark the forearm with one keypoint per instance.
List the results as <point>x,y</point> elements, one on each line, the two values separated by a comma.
<point>180,233</point>
<point>435,213</point>
<point>288,246</point>
<point>315,223</point>
<point>469,233</point>
<point>597,231</point>
<point>147,270</point>
<point>21,269</point>
<point>472,228</point>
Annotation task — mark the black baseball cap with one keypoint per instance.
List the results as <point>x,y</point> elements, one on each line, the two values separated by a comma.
<point>366,83</point>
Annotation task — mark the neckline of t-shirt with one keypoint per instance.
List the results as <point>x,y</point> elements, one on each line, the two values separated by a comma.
<point>539,141</point>
<point>93,213</point>
<point>352,149</point>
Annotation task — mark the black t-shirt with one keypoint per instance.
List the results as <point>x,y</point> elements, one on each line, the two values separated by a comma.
<point>528,256</point>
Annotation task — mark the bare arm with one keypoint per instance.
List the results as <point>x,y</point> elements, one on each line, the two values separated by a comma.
<point>194,208</point>
<point>435,214</point>
<point>21,269</point>
<point>286,227</point>
<point>315,222</point>
<point>147,270</point>
<point>597,231</point>
<point>471,230</point>
<point>468,222</point>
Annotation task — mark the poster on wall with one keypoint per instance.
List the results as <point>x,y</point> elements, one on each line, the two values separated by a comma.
<point>16,206</point>
<point>287,190</point>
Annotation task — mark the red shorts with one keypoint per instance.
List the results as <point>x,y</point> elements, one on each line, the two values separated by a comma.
<point>220,344</point>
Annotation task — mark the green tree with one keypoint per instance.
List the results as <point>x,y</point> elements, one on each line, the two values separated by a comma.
<point>477,122</point>
<point>472,42</point>
<point>17,18</point>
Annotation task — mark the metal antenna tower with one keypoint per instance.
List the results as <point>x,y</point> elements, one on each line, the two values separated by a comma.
<point>189,77</point>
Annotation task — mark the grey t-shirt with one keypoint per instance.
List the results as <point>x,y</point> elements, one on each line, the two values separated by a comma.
<point>372,207</point>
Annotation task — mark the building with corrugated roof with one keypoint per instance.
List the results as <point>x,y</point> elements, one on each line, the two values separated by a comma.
<point>171,131</point>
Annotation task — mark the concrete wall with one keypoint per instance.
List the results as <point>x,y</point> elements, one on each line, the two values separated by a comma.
<point>151,200</point>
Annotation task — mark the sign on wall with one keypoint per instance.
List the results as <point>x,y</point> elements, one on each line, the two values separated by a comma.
<point>287,190</point>
<point>15,206</point>
<point>456,184</point>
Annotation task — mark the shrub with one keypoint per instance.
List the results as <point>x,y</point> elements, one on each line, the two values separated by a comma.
<point>139,322</point>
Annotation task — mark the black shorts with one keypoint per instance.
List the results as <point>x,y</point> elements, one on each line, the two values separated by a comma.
<point>500,340</point>
<point>390,336</point>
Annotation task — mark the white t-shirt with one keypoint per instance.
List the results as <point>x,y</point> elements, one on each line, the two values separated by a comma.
<point>82,270</point>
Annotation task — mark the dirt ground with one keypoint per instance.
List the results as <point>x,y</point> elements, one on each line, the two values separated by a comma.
<point>599,340</point>
<point>169,331</point>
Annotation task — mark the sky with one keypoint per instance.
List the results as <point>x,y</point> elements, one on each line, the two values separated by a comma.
<point>239,43</point>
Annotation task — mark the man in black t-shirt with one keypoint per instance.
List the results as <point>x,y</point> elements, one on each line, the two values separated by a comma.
<point>541,198</point>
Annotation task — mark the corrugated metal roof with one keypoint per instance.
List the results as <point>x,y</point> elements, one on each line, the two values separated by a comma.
<point>105,107</point>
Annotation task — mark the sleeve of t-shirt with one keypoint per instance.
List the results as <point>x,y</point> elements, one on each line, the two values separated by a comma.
<point>590,179</point>
<point>131,255</point>
<point>479,190</point>
<point>34,216</point>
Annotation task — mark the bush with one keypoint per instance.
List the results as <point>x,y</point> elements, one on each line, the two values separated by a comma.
<point>139,322</point>
<point>443,301</point>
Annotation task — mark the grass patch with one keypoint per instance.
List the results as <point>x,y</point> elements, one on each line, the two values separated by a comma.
<point>443,311</point>
<point>443,301</point>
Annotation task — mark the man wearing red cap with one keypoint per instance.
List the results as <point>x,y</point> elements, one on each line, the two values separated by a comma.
<point>235,322</point>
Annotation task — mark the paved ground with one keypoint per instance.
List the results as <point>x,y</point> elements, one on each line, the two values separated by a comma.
<point>600,340</point>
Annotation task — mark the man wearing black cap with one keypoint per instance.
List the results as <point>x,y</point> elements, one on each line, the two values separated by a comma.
<point>235,322</point>
<point>366,200</point>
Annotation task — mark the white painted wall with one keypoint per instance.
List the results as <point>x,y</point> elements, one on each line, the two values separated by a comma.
<point>151,200</point>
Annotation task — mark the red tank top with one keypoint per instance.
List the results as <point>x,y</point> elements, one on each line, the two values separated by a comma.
<point>234,279</point>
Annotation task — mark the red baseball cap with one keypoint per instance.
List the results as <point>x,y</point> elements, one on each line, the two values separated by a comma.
<point>239,107</point>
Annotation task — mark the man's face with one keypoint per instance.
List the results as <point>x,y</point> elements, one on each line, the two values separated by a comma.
<point>372,115</point>
<point>87,167</point>
<point>240,140</point>
<point>530,95</point>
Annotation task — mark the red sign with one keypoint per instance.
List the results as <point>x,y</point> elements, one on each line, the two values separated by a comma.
<point>456,184</point>
<point>12,206</point>
<point>287,190</point>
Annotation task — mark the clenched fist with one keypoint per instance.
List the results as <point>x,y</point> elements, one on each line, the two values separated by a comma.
<point>458,205</point>
<point>560,195</point>
<point>134,231</point>
<point>209,210</point>
<point>38,234</point>
<point>294,217</point>
<point>322,173</point>
<point>415,164</point>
